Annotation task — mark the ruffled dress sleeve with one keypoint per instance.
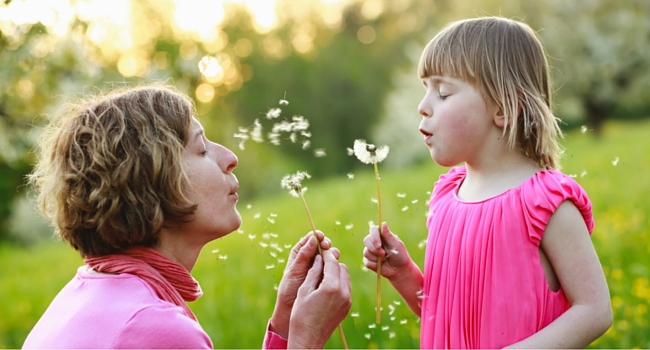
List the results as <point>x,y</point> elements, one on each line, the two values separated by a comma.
<point>543,195</point>
<point>446,183</point>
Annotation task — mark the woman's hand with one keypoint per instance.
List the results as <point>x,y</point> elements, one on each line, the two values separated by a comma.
<point>323,301</point>
<point>300,260</point>
<point>393,254</point>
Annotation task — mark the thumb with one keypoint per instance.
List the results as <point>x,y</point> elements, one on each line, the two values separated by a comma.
<point>313,277</point>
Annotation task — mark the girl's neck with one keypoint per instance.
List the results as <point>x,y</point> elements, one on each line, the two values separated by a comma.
<point>492,177</point>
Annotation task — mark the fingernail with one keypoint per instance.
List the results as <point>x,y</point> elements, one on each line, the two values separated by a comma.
<point>311,242</point>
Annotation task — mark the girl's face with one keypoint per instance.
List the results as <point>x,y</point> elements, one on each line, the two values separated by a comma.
<point>212,186</point>
<point>457,121</point>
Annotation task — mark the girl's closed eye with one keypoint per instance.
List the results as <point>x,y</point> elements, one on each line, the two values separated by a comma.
<point>443,95</point>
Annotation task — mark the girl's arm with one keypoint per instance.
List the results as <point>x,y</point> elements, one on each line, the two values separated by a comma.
<point>567,245</point>
<point>396,265</point>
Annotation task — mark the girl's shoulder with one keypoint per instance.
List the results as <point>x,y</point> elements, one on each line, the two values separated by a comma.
<point>450,180</point>
<point>543,193</point>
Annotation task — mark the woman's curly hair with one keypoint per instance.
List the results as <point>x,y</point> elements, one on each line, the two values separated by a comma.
<point>110,174</point>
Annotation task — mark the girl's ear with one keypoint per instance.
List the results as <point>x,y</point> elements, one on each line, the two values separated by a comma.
<point>499,118</point>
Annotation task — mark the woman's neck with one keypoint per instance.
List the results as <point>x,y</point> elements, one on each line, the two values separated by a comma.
<point>178,250</point>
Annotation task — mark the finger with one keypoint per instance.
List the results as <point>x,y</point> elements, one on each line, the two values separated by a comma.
<point>336,252</point>
<point>344,277</point>
<point>313,277</point>
<point>368,254</point>
<point>372,245</point>
<point>370,265</point>
<point>303,258</point>
<point>296,248</point>
<point>330,270</point>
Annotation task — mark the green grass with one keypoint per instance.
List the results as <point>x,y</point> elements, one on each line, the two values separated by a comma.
<point>238,281</point>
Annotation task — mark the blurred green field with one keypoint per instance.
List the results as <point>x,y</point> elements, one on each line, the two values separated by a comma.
<point>239,272</point>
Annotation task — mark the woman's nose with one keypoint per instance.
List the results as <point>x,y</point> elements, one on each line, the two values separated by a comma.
<point>228,160</point>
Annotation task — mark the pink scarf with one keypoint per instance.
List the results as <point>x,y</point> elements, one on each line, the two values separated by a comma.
<point>170,281</point>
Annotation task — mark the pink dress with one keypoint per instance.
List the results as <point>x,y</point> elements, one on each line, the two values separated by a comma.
<point>484,285</point>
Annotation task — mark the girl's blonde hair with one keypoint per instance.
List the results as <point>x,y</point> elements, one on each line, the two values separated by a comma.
<point>110,174</point>
<point>505,61</point>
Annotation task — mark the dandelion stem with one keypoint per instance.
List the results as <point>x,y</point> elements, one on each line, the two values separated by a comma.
<point>378,306</point>
<point>320,251</point>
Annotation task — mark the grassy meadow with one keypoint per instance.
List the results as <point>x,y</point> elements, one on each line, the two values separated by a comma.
<point>238,273</point>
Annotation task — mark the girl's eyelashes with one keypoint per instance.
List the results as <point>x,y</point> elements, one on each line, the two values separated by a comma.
<point>442,96</point>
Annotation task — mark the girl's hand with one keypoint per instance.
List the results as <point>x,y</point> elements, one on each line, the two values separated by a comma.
<point>393,254</point>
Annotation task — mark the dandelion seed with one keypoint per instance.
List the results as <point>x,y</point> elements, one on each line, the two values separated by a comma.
<point>274,138</point>
<point>292,183</point>
<point>305,134</point>
<point>293,137</point>
<point>374,200</point>
<point>264,245</point>
<point>283,126</point>
<point>336,222</point>
<point>300,124</point>
<point>276,286</point>
<point>215,251</point>
<point>422,244</point>
<point>405,208</point>
<point>384,328</point>
<point>266,235</point>
<point>391,308</point>
<point>404,321</point>
<point>281,261</point>
<point>240,231</point>
<point>306,144</point>
<point>371,223</point>
<point>319,153</point>
<point>367,335</point>
<point>273,113</point>
<point>364,269</point>
<point>349,226</point>
<point>248,206</point>
<point>583,173</point>
<point>397,302</point>
<point>615,161</point>
<point>222,257</point>
<point>372,326</point>
<point>573,175</point>
<point>414,201</point>
<point>354,314</point>
<point>273,254</point>
<point>251,237</point>
<point>401,195</point>
<point>256,134</point>
<point>257,215</point>
<point>369,153</point>
<point>271,220</point>
<point>583,129</point>
<point>272,266</point>
<point>392,318</point>
<point>391,335</point>
<point>287,246</point>
<point>274,235</point>
<point>350,176</point>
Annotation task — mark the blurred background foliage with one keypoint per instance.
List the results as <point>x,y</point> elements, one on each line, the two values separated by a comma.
<point>347,66</point>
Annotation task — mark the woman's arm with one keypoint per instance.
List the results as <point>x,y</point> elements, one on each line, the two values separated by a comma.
<point>396,265</point>
<point>567,245</point>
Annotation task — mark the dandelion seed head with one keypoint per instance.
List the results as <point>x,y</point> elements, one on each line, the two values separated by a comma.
<point>350,176</point>
<point>273,113</point>
<point>292,182</point>
<point>615,161</point>
<point>319,153</point>
<point>369,153</point>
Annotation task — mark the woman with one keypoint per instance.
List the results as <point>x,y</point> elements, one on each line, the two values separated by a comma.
<point>130,180</point>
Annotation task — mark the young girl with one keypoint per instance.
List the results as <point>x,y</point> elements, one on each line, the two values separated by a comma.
<point>509,260</point>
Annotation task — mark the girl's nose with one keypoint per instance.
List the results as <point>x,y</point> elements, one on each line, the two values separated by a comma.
<point>424,108</point>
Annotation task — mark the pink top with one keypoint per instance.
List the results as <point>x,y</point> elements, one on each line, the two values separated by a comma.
<point>118,311</point>
<point>484,285</point>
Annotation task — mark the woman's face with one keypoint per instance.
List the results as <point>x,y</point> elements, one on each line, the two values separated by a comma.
<point>212,186</point>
